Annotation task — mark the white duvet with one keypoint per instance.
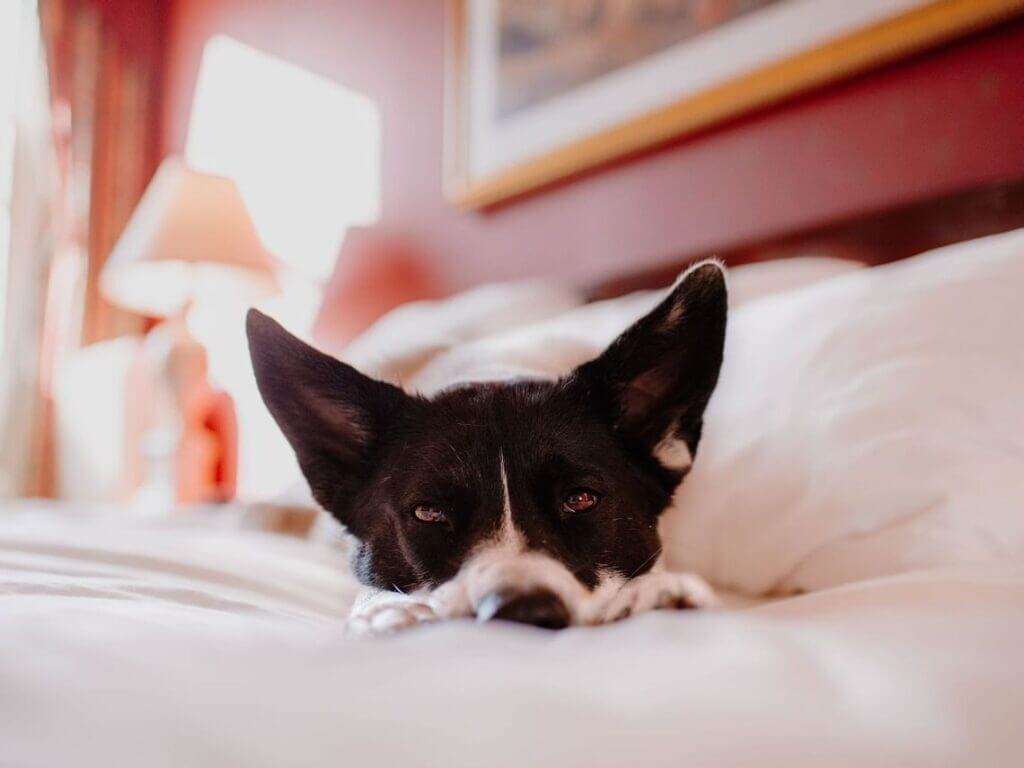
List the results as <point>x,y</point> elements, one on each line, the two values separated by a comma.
<point>185,644</point>
<point>865,445</point>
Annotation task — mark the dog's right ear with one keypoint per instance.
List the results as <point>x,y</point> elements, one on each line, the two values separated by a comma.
<point>331,414</point>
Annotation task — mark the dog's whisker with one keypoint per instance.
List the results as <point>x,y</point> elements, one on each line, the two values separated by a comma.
<point>654,556</point>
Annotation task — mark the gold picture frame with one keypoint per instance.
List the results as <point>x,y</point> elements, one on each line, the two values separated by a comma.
<point>879,43</point>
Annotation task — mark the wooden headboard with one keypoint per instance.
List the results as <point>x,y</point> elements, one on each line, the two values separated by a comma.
<point>874,238</point>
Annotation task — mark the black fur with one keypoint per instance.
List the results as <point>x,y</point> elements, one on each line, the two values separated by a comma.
<point>372,453</point>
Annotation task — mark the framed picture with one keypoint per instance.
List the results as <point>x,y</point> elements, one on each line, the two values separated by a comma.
<point>542,89</point>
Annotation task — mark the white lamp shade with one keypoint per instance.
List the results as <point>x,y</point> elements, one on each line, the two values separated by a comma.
<point>190,238</point>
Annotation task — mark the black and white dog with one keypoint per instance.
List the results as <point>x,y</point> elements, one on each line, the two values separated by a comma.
<point>534,501</point>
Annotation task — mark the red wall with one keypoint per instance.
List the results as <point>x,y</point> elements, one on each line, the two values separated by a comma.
<point>947,120</point>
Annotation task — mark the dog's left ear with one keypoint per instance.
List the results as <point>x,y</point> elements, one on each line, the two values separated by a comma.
<point>654,381</point>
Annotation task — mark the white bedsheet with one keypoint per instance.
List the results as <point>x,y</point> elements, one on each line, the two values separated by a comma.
<point>168,644</point>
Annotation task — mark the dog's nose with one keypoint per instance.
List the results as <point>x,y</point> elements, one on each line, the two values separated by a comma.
<point>539,608</point>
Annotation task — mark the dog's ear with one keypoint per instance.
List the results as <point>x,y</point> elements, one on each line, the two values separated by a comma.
<point>331,414</point>
<point>654,381</point>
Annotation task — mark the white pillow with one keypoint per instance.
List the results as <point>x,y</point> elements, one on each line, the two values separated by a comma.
<point>410,336</point>
<point>553,345</point>
<point>748,282</point>
<point>867,425</point>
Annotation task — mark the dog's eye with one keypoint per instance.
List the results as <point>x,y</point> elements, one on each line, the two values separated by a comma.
<point>427,513</point>
<point>580,500</point>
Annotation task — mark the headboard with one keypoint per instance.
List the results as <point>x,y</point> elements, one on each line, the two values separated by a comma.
<point>874,238</point>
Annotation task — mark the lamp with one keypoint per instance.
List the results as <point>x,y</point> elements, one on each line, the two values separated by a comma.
<point>189,237</point>
<point>190,240</point>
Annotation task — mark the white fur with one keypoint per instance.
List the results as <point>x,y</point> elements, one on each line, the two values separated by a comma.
<point>693,267</point>
<point>509,537</point>
<point>613,599</point>
<point>378,612</point>
<point>672,453</point>
<point>658,590</point>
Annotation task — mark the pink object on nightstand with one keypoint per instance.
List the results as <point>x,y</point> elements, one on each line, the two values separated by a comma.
<point>375,273</point>
<point>203,451</point>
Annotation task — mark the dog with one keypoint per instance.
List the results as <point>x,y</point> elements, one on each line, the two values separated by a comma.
<point>530,500</point>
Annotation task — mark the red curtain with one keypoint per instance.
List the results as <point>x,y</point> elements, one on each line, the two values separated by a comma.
<point>104,59</point>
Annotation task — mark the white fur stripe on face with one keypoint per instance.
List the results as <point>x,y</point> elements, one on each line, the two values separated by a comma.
<point>503,562</point>
<point>508,535</point>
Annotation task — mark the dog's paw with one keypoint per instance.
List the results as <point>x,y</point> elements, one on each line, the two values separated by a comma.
<point>385,617</point>
<point>658,591</point>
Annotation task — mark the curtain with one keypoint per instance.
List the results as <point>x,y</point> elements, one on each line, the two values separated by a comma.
<point>32,197</point>
<point>104,59</point>
<point>86,147</point>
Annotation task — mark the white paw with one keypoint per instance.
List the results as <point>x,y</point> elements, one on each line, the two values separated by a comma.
<point>451,601</point>
<point>657,591</point>
<point>388,616</point>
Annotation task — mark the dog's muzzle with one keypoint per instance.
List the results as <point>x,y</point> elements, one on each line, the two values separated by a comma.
<point>538,608</point>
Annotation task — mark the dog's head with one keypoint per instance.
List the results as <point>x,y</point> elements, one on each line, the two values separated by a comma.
<point>516,499</point>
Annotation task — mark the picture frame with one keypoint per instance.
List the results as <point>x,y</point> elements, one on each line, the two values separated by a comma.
<point>529,103</point>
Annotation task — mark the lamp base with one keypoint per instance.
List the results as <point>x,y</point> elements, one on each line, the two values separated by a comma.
<point>179,448</point>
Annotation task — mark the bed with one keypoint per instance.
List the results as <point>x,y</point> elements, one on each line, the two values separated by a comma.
<point>174,643</point>
<point>858,498</point>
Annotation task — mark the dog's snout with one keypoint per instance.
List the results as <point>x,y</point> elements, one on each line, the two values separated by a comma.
<point>539,608</point>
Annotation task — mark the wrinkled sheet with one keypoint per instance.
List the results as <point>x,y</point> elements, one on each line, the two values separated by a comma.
<point>167,643</point>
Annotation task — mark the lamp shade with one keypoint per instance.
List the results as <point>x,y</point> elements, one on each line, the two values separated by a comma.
<point>190,238</point>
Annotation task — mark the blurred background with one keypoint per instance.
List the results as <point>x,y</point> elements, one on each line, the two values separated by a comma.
<point>165,164</point>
